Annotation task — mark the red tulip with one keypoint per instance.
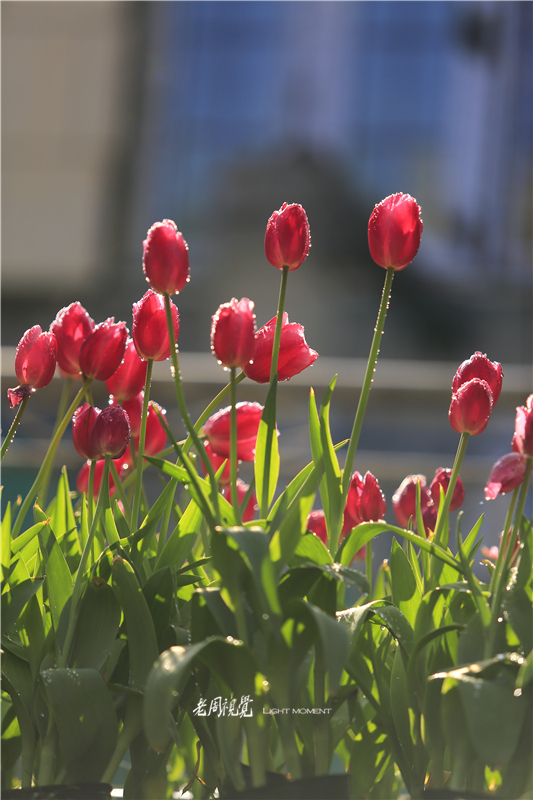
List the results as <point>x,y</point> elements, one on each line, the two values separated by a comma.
<point>471,407</point>
<point>166,258</point>
<point>82,424</point>
<point>365,502</point>
<point>150,332</point>
<point>133,408</point>
<point>442,478</point>
<point>394,231</point>
<point>316,523</point>
<point>217,462</point>
<point>232,333</point>
<point>479,366</point>
<point>130,377</point>
<point>494,551</point>
<point>82,482</point>
<point>404,503</point>
<point>110,433</point>
<point>217,430</point>
<point>242,488</point>
<point>71,327</point>
<point>287,238</point>
<point>523,433</point>
<point>506,474</point>
<point>156,436</point>
<point>295,355</point>
<point>35,363</point>
<point>103,349</point>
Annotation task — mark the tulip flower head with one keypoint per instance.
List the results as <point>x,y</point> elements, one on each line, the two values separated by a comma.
<point>404,503</point>
<point>217,430</point>
<point>251,506</point>
<point>394,231</point>
<point>232,333</point>
<point>365,502</point>
<point>71,327</point>
<point>82,424</point>
<point>129,378</point>
<point>442,478</point>
<point>471,407</point>
<point>166,258</point>
<point>82,481</point>
<point>479,366</point>
<point>35,363</point>
<point>287,238</point>
<point>150,332</point>
<point>506,474</point>
<point>316,523</point>
<point>110,434</point>
<point>156,436</point>
<point>103,350</point>
<point>295,355</point>
<point>216,462</point>
<point>522,441</point>
<point>133,409</point>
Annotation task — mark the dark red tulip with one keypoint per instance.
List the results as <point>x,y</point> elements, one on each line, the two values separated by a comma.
<point>82,424</point>
<point>217,462</point>
<point>365,501</point>
<point>150,332</point>
<point>166,258</point>
<point>82,481</point>
<point>404,503</point>
<point>295,355</point>
<point>316,523</point>
<point>133,408</point>
<point>471,407</point>
<point>287,238</point>
<point>129,378</point>
<point>442,478</point>
<point>251,506</point>
<point>103,349</point>
<point>35,363</point>
<point>394,231</point>
<point>523,431</point>
<point>232,333</point>
<point>506,474</point>
<point>479,366</point>
<point>217,430</point>
<point>110,433</point>
<point>156,436</point>
<point>71,327</point>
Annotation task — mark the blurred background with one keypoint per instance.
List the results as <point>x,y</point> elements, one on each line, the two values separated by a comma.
<point>119,114</point>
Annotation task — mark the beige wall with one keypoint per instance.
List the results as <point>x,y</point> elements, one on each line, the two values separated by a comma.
<point>62,64</point>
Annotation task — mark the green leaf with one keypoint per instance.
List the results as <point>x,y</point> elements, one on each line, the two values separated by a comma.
<point>405,594</point>
<point>310,550</point>
<point>525,673</point>
<point>62,520</point>
<point>390,616</point>
<point>14,600</point>
<point>58,583</point>
<point>332,486</point>
<point>5,543</point>
<point>399,701</point>
<point>86,721</point>
<point>159,594</point>
<point>153,518</point>
<point>181,541</point>
<point>22,540</point>
<point>350,576</point>
<point>96,628</point>
<point>267,453</point>
<point>519,614</point>
<point>17,681</point>
<point>210,616</point>
<point>285,540</point>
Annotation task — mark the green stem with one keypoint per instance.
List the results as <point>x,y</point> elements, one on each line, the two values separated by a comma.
<point>505,535</point>
<point>63,405</point>
<point>367,383</point>
<point>120,491</point>
<point>48,462</point>
<point>90,498</point>
<point>444,508</point>
<point>369,567</point>
<point>14,425</point>
<point>233,450</point>
<point>142,439</point>
<point>200,449</point>
<point>279,323</point>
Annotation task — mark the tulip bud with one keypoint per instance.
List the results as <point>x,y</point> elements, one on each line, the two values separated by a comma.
<point>110,434</point>
<point>479,366</point>
<point>217,430</point>
<point>295,355</point>
<point>130,377</point>
<point>35,363</point>
<point>242,488</point>
<point>404,503</point>
<point>394,231</point>
<point>71,327</point>
<point>506,474</point>
<point>82,481</point>
<point>232,333</point>
<point>82,424</point>
<point>365,502</point>
<point>166,258</point>
<point>287,238</point>
<point>442,478</point>
<point>103,349</point>
<point>150,332</point>
<point>522,441</point>
<point>217,462</point>
<point>471,407</point>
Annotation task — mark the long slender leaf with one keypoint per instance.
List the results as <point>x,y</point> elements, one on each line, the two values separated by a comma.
<point>266,462</point>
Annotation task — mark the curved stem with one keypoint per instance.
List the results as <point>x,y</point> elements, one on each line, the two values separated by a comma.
<point>367,383</point>
<point>279,323</point>
<point>47,464</point>
<point>14,425</point>
<point>90,498</point>
<point>142,439</point>
<point>233,450</point>
<point>444,508</point>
